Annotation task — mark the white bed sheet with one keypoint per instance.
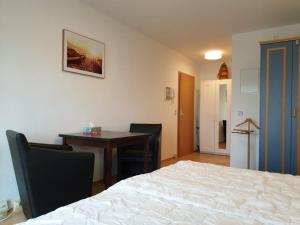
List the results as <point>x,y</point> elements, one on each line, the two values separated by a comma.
<point>188,193</point>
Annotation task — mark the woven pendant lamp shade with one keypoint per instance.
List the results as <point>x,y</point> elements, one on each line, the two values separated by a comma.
<point>223,72</point>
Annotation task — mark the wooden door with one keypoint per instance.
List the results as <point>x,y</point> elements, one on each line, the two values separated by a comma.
<point>186,114</point>
<point>207,115</point>
<point>276,108</point>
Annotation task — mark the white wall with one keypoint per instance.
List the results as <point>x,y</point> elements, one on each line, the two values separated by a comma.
<point>245,55</point>
<point>37,98</point>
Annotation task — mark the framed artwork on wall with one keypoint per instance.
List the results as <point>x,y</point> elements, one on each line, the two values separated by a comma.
<point>83,55</point>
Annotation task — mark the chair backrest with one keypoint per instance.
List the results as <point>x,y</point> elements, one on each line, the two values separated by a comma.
<point>19,148</point>
<point>155,139</point>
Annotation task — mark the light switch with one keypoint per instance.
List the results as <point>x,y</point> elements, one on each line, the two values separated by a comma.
<point>240,113</point>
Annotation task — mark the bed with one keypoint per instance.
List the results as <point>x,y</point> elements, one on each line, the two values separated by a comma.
<point>188,193</point>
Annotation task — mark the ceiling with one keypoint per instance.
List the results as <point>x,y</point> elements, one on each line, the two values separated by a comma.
<point>195,26</point>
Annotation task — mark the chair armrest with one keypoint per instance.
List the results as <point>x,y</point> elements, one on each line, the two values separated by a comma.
<point>59,177</point>
<point>51,146</point>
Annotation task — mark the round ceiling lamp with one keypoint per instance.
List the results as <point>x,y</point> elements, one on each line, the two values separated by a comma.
<point>213,55</point>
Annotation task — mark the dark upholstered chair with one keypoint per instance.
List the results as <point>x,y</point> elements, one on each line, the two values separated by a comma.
<point>49,176</point>
<point>131,158</point>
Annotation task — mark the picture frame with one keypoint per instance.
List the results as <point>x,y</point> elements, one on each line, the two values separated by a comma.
<point>83,55</point>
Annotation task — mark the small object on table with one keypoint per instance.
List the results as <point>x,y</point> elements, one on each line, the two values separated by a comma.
<point>87,130</point>
<point>92,130</point>
<point>96,130</point>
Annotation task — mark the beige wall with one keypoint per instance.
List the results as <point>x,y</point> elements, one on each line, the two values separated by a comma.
<point>37,98</point>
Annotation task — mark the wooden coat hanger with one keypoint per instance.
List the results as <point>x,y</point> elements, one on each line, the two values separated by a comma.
<point>248,120</point>
<point>248,131</point>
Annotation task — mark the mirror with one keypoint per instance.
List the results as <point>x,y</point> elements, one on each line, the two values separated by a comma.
<point>222,116</point>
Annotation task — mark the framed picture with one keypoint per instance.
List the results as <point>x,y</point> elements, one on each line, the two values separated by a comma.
<point>83,55</point>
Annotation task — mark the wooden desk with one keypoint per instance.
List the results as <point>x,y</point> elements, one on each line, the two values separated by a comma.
<point>109,140</point>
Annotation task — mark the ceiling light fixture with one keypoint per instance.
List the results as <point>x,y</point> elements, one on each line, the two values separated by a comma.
<point>213,55</point>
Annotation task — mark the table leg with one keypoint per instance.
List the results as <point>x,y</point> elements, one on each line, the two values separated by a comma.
<point>108,165</point>
<point>146,156</point>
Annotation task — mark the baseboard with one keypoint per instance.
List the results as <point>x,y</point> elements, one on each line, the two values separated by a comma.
<point>215,153</point>
<point>167,159</point>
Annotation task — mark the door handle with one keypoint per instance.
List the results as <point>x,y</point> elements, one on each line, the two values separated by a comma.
<point>294,114</point>
<point>181,113</point>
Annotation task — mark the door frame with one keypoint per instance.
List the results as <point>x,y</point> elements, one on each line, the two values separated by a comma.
<point>178,112</point>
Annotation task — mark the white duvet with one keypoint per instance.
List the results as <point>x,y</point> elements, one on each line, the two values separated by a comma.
<point>188,193</point>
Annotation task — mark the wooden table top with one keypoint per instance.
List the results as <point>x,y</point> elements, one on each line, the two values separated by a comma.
<point>105,135</point>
